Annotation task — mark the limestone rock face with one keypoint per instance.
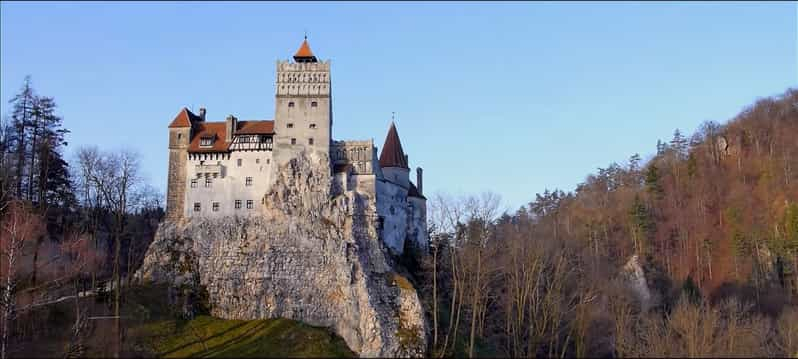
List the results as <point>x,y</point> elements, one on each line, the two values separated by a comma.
<point>307,257</point>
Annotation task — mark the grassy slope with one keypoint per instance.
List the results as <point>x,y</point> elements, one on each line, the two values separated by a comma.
<point>152,330</point>
<point>206,336</point>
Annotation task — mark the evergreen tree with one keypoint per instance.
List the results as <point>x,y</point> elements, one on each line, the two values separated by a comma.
<point>21,120</point>
<point>642,225</point>
<point>679,145</point>
<point>652,182</point>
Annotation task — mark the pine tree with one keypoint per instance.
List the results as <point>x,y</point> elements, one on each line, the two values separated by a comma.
<point>679,145</point>
<point>21,121</point>
<point>642,225</point>
<point>652,182</point>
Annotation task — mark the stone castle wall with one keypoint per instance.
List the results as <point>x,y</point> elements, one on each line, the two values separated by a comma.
<point>176,185</point>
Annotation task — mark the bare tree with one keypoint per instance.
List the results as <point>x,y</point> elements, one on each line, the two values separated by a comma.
<point>19,226</point>
<point>116,178</point>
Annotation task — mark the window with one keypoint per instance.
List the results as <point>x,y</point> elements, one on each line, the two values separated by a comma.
<point>249,204</point>
<point>196,206</point>
<point>257,160</point>
<point>208,182</point>
<point>238,162</point>
<point>216,206</point>
<point>291,104</point>
<point>206,141</point>
<point>310,141</point>
<point>268,161</point>
<point>238,204</point>
<point>293,141</point>
<point>249,181</point>
<point>312,125</point>
<point>290,125</point>
<point>179,136</point>
<point>314,104</point>
<point>194,183</point>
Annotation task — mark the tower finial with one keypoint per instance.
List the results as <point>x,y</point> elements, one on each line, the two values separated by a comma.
<point>306,34</point>
<point>393,114</point>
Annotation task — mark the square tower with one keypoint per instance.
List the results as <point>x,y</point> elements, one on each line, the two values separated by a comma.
<point>302,106</point>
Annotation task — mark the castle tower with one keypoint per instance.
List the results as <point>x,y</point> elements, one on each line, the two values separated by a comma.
<point>302,106</point>
<point>179,138</point>
<point>393,159</point>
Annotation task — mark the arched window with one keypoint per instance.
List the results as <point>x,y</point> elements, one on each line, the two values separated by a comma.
<point>291,104</point>
<point>314,104</point>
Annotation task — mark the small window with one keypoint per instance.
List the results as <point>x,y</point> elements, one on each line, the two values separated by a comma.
<point>268,161</point>
<point>238,162</point>
<point>179,136</point>
<point>196,206</point>
<point>249,204</point>
<point>257,160</point>
<point>238,204</point>
<point>206,141</point>
<point>208,182</point>
<point>194,183</point>
<point>290,125</point>
<point>314,104</point>
<point>312,125</point>
<point>249,181</point>
<point>293,141</point>
<point>310,141</point>
<point>291,104</point>
<point>216,206</point>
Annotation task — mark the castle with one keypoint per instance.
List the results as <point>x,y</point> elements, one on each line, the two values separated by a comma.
<point>219,169</point>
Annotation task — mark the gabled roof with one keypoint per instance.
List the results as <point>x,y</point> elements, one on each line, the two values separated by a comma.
<point>183,119</point>
<point>255,127</point>
<point>392,154</point>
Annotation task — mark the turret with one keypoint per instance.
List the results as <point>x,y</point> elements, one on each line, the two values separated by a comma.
<point>393,159</point>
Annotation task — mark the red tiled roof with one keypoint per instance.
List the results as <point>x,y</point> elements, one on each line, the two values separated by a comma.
<point>182,119</point>
<point>304,50</point>
<point>392,154</point>
<point>205,129</point>
<point>255,127</point>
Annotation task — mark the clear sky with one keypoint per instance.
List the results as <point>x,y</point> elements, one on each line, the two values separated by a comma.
<point>509,97</point>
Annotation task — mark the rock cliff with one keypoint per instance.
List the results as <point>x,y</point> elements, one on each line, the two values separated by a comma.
<point>307,257</point>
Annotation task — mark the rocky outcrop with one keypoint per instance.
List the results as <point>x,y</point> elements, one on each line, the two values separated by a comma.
<point>308,257</point>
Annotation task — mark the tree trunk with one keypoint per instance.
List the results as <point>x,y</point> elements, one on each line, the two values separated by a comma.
<point>475,305</point>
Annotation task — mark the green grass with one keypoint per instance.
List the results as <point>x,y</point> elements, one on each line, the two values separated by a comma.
<point>210,337</point>
<point>153,330</point>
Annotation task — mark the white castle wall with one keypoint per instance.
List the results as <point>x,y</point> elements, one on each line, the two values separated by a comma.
<point>230,184</point>
<point>392,206</point>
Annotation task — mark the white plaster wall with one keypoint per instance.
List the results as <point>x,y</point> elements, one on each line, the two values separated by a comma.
<point>392,205</point>
<point>230,185</point>
<point>417,226</point>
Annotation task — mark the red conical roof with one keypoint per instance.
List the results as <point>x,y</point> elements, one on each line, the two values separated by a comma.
<point>304,52</point>
<point>392,154</point>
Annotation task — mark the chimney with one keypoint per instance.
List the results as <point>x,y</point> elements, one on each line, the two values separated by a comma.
<point>420,180</point>
<point>229,127</point>
<point>202,113</point>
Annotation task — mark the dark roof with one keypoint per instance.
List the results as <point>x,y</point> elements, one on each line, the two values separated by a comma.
<point>392,154</point>
<point>255,127</point>
<point>413,192</point>
<point>344,167</point>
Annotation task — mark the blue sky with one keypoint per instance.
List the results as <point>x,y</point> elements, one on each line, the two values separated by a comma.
<point>510,97</point>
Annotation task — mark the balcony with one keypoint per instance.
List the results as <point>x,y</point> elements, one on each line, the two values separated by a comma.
<point>208,169</point>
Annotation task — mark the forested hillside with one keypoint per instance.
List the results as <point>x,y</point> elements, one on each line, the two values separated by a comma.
<point>711,222</point>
